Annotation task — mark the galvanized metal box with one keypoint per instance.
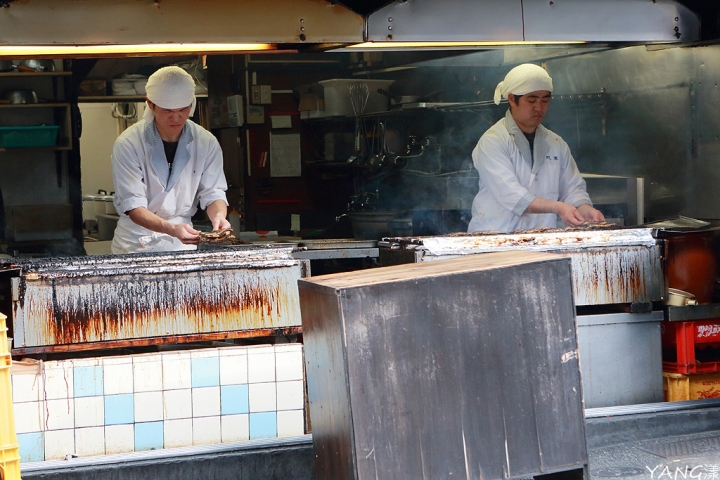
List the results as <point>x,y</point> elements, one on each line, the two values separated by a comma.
<point>461,368</point>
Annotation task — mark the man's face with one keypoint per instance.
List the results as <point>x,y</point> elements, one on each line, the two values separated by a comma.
<point>530,109</point>
<point>170,122</point>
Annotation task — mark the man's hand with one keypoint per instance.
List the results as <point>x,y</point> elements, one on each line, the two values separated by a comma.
<point>182,231</point>
<point>590,214</point>
<point>185,233</point>
<point>569,214</point>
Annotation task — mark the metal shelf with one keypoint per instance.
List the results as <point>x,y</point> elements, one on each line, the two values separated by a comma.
<point>121,98</point>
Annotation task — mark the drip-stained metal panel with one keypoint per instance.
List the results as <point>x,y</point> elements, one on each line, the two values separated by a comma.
<point>110,299</point>
<point>608,266</point>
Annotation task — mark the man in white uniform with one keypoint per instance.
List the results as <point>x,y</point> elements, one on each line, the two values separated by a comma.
<point>164,166</point>
<point>528,177</point>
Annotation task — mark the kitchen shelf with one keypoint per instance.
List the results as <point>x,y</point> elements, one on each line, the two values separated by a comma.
<point>120,98</point>
<point>34,105</point>
<point>35,74</point>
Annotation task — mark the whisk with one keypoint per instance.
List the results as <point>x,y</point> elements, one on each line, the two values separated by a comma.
<point>359,94</point>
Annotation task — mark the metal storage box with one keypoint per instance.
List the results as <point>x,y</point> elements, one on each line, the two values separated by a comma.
<point>462,368</point>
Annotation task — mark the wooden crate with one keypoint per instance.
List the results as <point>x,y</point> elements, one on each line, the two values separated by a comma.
<point>678,387</point>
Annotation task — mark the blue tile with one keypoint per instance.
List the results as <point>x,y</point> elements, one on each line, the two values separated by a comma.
<point>233,399</point>
<point>119,409</point>
<point>149,436</point>
<point>205,372</point>
<point>263,425</point>
<point>32,446</point>
<point>88,381</point>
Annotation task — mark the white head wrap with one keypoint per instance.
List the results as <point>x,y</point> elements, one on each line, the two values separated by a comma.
<point>523,79</point>
<point>170,87</point>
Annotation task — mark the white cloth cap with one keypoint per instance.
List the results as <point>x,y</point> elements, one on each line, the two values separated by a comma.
<point>170,87</point>
<point>523,79</point>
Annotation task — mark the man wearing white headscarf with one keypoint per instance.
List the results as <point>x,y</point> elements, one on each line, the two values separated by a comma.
<point>528,177</point>
<point>164,167</point>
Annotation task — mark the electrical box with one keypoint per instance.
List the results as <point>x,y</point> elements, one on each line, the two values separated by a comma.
<point>256,114</point>
<point>235,110</point>
<point>261,94</point>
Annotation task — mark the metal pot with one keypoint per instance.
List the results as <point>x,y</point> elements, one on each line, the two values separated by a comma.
<point>6,66</point>
<point>36,65</point>
<point>21,96</point>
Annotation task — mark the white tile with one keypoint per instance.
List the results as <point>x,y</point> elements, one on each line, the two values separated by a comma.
<point>233,366</point>
<point>235,428</point>
<point>87,362</point>
<point>118,378</point>
<point>89,412</point>
<point>290,423</point>
<point>26,388</point>
<point>29,417</point>
<point>206,431</point>
<point>290,395</point>
<point>177,370</point>
<point>58,379</point>
<point>205,401</point>
<point>178,433</point>
<point>90,441</point>
<point>262,397</point>
<point>177,404</point>
<point>289,365</point>
<point>60,414</point>
<point>118,360</point>
<point>148,406</point>
<point>288,347</point>
<point>204,353</point>
<point>261,365</point>
<point>147,373</point>
<point>119,439</point>
<point>59,443</point>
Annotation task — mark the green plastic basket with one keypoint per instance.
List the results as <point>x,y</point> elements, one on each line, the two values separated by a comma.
<point>29,136</point>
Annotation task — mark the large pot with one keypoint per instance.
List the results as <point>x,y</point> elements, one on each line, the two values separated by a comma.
<point>373,225</point>
<point>692,263</point>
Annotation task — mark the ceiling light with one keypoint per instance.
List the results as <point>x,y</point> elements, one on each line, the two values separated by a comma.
<point>33,51</point>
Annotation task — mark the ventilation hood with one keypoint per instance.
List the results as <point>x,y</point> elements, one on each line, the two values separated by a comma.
<point>531,21</point>
<point>175,26</point>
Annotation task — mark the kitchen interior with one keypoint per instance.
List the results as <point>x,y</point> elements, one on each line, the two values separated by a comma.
<point>341,158</point>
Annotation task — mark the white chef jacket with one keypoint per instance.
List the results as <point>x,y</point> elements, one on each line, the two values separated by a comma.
<point>509,181</point>
<point>143,178</point>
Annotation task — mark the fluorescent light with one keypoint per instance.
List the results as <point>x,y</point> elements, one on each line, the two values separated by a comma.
<point>391,45</point>
<point>149,48</point>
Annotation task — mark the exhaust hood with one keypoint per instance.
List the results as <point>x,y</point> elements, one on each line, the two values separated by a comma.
<point>74,28</point>
<point>417,23</point>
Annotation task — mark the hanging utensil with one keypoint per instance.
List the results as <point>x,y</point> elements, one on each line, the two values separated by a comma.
<point>359,94</point>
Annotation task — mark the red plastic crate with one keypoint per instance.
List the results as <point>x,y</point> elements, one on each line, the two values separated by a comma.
<point>690,340</point>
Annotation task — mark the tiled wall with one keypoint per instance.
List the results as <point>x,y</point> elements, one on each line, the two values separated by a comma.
<point>106,405</point>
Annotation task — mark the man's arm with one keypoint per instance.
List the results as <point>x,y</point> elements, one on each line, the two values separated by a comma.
<point>182,231</point>
<point>217,213</point>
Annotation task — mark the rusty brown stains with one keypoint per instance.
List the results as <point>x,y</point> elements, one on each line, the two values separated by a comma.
<point>131,306</point>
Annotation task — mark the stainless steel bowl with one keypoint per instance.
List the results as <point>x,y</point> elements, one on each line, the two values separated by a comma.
<point>36,65</point>
<point>21,96</point>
